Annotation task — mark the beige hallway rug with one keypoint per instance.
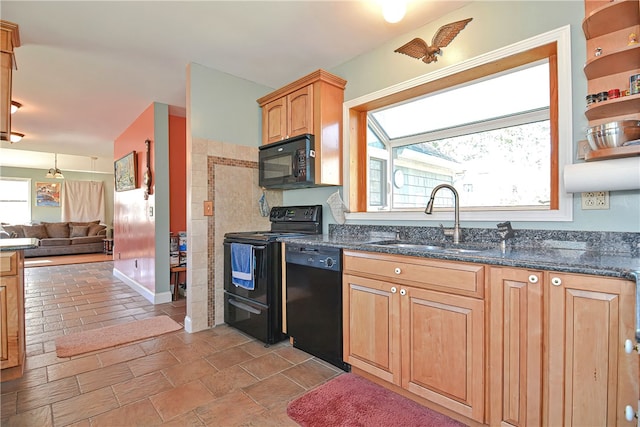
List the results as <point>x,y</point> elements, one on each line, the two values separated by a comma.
<point>112,336</point>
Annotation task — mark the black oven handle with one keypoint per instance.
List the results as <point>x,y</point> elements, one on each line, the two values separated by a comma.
<point>243,306</point>
<point>255,247</point>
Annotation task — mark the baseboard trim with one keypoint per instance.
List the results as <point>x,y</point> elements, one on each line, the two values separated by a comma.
<point>153,298</point>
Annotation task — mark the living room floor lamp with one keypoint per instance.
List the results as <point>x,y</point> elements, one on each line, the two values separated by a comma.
<point>55,172</point>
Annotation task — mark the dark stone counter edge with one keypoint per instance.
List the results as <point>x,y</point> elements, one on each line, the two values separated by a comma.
<point>7,245</point>
<point>625,267</point>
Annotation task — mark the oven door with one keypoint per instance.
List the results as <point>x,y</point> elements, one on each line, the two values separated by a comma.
<point>265,262</point>
<point>249,317</point>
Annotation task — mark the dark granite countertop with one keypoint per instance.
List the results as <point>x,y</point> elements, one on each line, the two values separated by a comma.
<point>17,244</point>
<point>564,252</point>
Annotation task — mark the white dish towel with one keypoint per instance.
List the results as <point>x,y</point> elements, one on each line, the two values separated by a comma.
<point>337,207</point>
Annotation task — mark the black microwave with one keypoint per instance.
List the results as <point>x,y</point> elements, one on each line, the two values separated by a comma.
<point>288,164</point>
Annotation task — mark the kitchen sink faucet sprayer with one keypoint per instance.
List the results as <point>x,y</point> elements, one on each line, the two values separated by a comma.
<point>455,232</point>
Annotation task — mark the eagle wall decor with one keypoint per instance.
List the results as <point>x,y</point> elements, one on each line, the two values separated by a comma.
<point>419,49</point>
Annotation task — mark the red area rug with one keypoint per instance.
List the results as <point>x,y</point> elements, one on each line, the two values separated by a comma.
<point>350,400</point>
<point>112,336</point>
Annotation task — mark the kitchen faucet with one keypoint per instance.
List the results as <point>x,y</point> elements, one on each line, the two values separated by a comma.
<point>455,232</point>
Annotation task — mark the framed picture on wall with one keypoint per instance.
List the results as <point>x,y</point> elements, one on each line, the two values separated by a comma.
<point>48,194</point>
<point>125,172</point>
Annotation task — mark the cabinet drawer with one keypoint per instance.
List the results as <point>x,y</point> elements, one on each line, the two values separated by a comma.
<point>446,276</point>
<point>8,264</point>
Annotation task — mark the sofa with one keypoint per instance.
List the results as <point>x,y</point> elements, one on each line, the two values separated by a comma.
<point>60,238</point>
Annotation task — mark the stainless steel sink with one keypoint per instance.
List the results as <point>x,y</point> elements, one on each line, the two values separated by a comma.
<point>462,250</point>
<point>416,246</point>
<point>425,247</point>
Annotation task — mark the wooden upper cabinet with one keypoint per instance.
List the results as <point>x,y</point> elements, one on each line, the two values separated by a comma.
<point>274,121</point>
<point>300,112</point>
<point>313,105</point>
<point>289,116</point>
<point>9,40</point>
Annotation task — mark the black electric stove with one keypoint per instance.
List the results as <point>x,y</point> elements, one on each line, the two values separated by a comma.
<point>257,309</point>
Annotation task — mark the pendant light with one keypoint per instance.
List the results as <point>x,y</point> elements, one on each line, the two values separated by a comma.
<point>15,106</point>
<point>55,172</point>
<point>16,137</point>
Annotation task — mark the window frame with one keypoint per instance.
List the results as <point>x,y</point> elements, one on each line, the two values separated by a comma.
<point>554,45</point>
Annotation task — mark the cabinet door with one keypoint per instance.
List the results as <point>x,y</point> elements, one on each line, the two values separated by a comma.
<point>274,121</point>
<point>9,322</point>
<point>371,337</point>
<point>591,378</point>
<point>442,349</point>
<point>515,347</point>
<point>300,112</point>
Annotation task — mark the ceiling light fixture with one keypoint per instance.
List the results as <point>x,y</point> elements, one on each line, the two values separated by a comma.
<point>16,137</point>
<point>393,10</point>
<point>15,106</point>
<point>55,172</point>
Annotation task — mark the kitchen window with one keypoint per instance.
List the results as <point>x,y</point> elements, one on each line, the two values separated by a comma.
<point>15,200</point>
<point>490,126</point>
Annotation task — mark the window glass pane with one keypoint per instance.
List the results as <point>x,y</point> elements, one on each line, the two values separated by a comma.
<point>15,196</point>
<point>377,182</point>
<point>505,167</point>
<point>519,91</point>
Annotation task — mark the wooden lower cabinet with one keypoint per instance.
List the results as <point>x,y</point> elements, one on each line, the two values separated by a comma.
<point>428,342</point>
<point>515,347</point>
<point>556,349</point>
<point>591,377</point>
<point>12,343</point>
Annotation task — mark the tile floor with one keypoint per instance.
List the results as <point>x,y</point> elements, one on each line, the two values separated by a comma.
<point>217,377</point>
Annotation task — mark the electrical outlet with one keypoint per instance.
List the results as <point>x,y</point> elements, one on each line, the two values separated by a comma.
<point>595,200</point>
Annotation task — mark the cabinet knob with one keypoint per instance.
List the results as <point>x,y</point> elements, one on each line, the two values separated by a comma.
<point>403,292</point>
<point>629,347</point>
<point>629,413</point>
<point>533,279</point>
<point>397,270</point>
<point>393,290</point>
<point>556,281</point>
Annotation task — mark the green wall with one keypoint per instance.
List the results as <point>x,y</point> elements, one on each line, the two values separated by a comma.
<point>224,107</point>
<point>53,214</point>
<point>495,24</point>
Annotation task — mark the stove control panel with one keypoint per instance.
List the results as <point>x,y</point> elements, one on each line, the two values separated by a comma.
<point>311,214</point>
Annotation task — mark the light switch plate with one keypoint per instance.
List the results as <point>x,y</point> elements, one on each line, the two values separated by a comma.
<point>583,149</point>
<point>208,208</point>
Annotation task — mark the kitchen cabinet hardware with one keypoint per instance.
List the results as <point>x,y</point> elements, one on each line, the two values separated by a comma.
<point>394,290</point>
<point>397,270</point>
<point>629,413</point>
<point>630,347</point>
<point>556,281</point>
<point>533,279</point>
<point>403,292</point>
